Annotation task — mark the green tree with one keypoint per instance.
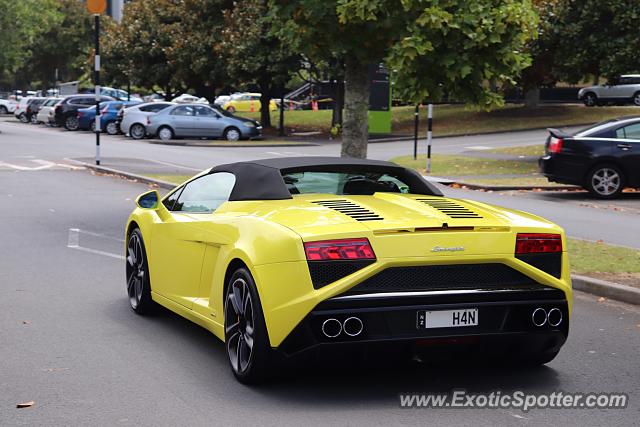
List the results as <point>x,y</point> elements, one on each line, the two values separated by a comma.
<point>457,46</point>
<point>66,47</point>
<point>254,56</point>
<point>21,23</point>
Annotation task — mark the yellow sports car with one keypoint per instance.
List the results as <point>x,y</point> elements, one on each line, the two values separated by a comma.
<point>246,102</point>
<point>285,256</point>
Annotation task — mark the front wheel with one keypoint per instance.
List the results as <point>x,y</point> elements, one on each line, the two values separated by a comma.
<point>165,134</point>
<point>71,123</point>
<point>137,131</point>
<point>232,134</point>
<point>246,339</point>
<point>3,110</point>
<point>590,100</point>
<point>23,118</point>
<point>605,181</point>
<point>137,269</point>
<point>636,99</point>
<point>111,128</point>
<point>34,119</point>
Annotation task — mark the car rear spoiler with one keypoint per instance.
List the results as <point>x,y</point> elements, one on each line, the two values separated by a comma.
<point>557,133</point>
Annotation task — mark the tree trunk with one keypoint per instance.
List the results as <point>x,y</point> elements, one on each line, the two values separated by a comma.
<point>355,133</point>
<point>265,114</point>
<point>532,97</point>
<point>338,102</point>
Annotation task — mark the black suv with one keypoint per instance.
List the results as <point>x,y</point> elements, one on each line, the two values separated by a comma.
<point>66,112</point>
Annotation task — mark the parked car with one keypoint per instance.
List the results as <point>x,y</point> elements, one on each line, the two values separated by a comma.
<point>621,90</point>
<point>21,109</point>
<point>33,107</point>
<point>604,158</point>
<point>66,111</point>
<point>185,98</point>
<point>45,115</point>
<point>134,119</point>
<point>200,121</point>
<point>108,112</point>
<point>7,106</point>
<point>246,102</point>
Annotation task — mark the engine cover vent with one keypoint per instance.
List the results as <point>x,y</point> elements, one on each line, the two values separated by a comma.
<point>449,208</point>
<point>351,209</point>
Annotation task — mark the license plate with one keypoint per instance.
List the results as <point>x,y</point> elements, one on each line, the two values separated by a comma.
<point>447,318</point>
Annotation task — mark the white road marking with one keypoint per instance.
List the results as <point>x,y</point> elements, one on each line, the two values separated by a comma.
<point>72,167</point>
<point>73,242</point>
<point>175,165</point>
<point>44,164</point>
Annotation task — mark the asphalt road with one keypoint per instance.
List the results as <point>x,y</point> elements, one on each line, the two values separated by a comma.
<point>71,343</point>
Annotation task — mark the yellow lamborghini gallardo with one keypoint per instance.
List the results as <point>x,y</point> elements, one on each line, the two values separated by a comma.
<point>286,256</point>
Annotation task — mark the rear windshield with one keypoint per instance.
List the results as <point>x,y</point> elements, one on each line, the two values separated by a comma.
<point>344,183</point>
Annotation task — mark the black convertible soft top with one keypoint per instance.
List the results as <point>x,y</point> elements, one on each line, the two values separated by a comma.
<point>262,179</point>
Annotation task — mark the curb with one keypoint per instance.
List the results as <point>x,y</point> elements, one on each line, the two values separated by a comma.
<point>511,187</point>
<point>127,175</point>
<point>241,145</point>
<point>603,288</point>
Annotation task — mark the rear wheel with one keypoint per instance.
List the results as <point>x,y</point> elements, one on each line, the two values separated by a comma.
<point>137,131</point>
<point>137,269</point>
<point>165,133</point>
<point>23,118</point>
<point>590,99</point>
<point>92,126</point>
<point>605,181</point>
<point>71,123</point>
<point>34,119</point>
<point>246,339</point>
<point>3,110</point>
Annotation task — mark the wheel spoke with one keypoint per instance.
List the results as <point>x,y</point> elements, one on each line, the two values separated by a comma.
<point>130,284</point>
<point>231,330</point>
<point>234,303</point>
<point>244,353</point>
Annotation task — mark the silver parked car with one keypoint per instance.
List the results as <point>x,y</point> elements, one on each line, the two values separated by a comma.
<point>134,118</point>
<point>200,121</point>
<point>621,90</point>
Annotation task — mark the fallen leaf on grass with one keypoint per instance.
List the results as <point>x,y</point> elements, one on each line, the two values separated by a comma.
<point>602,299</point>
<point>26,404</point>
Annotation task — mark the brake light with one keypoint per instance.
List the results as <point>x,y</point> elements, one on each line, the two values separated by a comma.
<point>345,249</point>
<point>555,145</point>
<point>538,243</point>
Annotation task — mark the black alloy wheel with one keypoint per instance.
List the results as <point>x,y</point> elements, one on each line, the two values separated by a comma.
<point>137,270</point>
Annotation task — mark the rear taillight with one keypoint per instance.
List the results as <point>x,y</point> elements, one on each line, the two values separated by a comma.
<point>535,243</point>
<point>345,249</point>
<point>555,145</point>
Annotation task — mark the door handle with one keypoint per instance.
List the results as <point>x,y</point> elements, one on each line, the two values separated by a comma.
<point>624,146</point>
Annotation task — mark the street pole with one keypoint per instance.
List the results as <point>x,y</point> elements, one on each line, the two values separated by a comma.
<point>97,86</point>
<point>429,131</point>
<point>416,119</point>
<point>281,133</point>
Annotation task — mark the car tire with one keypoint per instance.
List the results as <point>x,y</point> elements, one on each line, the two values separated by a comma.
<point>34,119</point>
<point>71,123</point>
<point>137,274</point>
<point>232,134</point>
<point>92,126</point>
<point>636,99</point>
<point>165,133</point>
<point>231,110</point>
<point>590,99</point>
<point>111,128</point>
<point>605,181</point>
<point>137,131</point>
<point>3,110</point>
<point>246,338</point>
<point>23,118</point>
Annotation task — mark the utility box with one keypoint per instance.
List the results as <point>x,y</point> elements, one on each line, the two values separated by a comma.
<point>379,100</point>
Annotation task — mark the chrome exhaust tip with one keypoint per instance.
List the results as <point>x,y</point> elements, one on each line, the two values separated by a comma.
<point>331,328</point>
<point>539,316</point>
<point>353,326</point>
<point>554,317</point>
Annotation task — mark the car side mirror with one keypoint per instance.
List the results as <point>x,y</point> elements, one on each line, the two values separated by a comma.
<point>148,200</point>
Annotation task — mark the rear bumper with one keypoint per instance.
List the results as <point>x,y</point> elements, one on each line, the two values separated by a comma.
<point>556,170</point>
<point>504,318</point>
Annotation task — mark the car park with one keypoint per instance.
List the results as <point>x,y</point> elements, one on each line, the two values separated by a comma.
<point>134,119</point>
<point>45,115</point>
<point>603,158</point>
<point>620,90</point>
<point>108,112</point>
<point>290,255</point>
<point>200,121</point>
<point>246,102</point>
<point>66,111</point>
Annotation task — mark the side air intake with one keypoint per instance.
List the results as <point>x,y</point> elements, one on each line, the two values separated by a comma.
<point>449,208</point>
<point>351,209</point>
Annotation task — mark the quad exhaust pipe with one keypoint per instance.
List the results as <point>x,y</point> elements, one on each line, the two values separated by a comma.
<point>541,317</point>
<point>352,326</point>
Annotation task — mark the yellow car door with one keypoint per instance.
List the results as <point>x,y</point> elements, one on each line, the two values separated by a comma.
<point>181,239</point>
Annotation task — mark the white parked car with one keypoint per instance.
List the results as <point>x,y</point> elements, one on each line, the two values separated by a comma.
<point>21,110</point>
<point>46,113</point>
<point>134,119</point>
<point>189,99</point>
<point>7,106</point>
<point>621,90</point>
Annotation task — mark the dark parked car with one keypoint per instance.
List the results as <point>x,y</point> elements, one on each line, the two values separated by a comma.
<point>66,112</point>
<point>33,107</point>
<point>603,158</point>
